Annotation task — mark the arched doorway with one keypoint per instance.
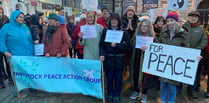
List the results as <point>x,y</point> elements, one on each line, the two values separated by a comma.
<point>203,8</point>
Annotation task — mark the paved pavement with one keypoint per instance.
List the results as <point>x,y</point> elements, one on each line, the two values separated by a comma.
<point>6,96</point>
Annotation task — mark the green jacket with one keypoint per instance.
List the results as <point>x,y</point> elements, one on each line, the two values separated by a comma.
<point>91,45</point>
<point>196,36</point>
<point>179,39</point>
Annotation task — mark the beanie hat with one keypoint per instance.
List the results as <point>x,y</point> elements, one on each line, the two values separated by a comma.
<point>61,19</point>
<point>132,8</point>
<point>194,13</point>
<point>173,15</point>
<point>53,16</point>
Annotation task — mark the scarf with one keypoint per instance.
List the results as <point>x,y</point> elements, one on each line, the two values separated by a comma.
<point>49,32</point>
<point>193,24</point>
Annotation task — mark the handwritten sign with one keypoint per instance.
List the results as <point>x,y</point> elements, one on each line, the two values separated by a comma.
<point>114,36</point>
<point>142,41</point>
<point>39,49</point>
<point>90,31</point>
<point>171,62</point>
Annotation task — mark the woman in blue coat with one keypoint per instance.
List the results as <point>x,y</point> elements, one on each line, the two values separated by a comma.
<point>15,37</point>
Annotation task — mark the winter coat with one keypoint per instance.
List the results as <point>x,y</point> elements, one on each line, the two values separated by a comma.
<point>59,42</point>
<point>75,34</point>
<point>3,21</point>
<point>157,31</point>
<point>134,22</point>
<point>70,30</point>
<point>91,45</point>
<point>196,36</point>
<point>102,22</point>
<point>132,61</point>
<point>114,56</point>
<point>36,29</point>
<point>179,39</point>
<point>16,38</point>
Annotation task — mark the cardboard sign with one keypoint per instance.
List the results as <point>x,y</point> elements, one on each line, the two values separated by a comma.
<point>171,62</point>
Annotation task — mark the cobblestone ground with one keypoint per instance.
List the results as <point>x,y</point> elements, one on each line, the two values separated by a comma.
<point>6,96</point>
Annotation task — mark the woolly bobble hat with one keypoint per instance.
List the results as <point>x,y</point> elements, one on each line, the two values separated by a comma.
<point>53,16</point>
<point>132,8</point>
<point>173,15</point>
<point>61,19</point>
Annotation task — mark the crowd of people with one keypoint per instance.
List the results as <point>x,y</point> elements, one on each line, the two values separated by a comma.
<point>62,38</point>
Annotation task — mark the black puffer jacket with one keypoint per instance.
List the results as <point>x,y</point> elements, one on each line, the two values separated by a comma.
<point>36,28</point>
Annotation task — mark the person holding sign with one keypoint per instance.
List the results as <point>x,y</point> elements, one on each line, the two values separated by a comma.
<point>197,39</point>
<point>171,35</point>
<point>15,37</point>
<point>144,30</point>
<point>56,38</point>
<point>112,55</point>
<point>90,37</point>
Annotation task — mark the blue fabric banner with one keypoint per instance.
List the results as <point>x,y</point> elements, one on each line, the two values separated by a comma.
<point>58,75</point>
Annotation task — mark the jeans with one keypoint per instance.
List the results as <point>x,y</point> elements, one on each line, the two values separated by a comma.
<point>167,92</point>
<point>114,89</point>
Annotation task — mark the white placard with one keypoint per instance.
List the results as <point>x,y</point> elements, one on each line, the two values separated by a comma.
<point>177,4</point>
<point>90,4</point>
<point>171,62</point>
<point>39,49</point>
<point>142,41</point>
<point>114,36</point>
<point>90,31</point>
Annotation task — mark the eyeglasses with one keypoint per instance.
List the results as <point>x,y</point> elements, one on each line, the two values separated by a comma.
<point>144,25</point>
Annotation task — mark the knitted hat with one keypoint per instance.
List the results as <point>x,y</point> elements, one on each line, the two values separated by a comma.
<point>132,8</point>
<point>53,16</point>
<point>173,15</point>
<point>61,19</point>
<point>194,13</point>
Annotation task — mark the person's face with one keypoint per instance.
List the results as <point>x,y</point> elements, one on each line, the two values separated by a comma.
<point>130,13</point>
<point>105,13</point>
<point>20,19</point>
<point>1,13</point>
<point>160,23</point>
<point>144,27</point>
<point>170,22</point>
<point>90,18</point>
<point>114,23</point>
<point>52,22</point>
<point>193,19</point>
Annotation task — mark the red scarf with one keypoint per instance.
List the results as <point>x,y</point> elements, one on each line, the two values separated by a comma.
<point>193,24</point>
